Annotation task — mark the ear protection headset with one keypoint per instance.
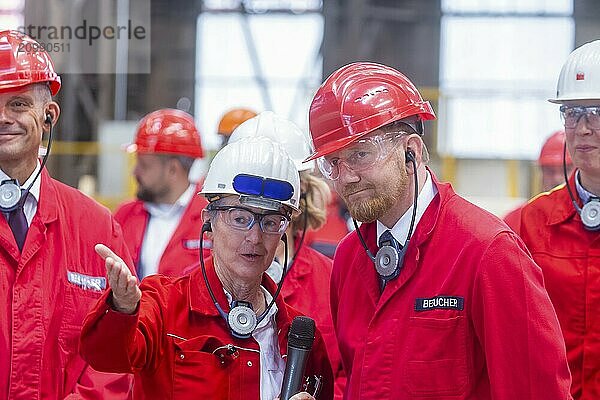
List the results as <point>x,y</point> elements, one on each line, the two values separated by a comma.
<point>241,319</point>
<point>390,256</point>
<point>590,212</point>
<point>11,196</point>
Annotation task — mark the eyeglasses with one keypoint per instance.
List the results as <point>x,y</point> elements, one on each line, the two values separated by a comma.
<point>243,219</point>
<point>362,155</point>
<point>572,115</point>
<point>266,187</point>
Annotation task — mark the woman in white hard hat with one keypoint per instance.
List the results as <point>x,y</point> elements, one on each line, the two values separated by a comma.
<point>306,286</point>
<point>221,331</point>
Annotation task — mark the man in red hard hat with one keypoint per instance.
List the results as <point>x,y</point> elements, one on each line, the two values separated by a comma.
<point>162,227</point>
<point>432,297</point>
<point>550,162</point>
<point>50,275</point>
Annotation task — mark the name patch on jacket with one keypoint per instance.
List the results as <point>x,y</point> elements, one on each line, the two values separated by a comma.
<point>97,283</point>
<point>440,302</point>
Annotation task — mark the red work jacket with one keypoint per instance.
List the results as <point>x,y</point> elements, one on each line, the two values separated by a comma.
<point>569,256</point>
<point>306,288</point>
<point>467,318</point>
<point>45,293</point>
<point>183,247</point>
<point>326,238</point>
<point>513,218</point>
<point>180,348</point>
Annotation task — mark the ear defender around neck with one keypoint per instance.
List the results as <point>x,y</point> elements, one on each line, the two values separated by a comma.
<point>590,214</point>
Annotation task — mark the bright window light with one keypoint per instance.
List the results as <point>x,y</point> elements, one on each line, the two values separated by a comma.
<point>286,71</point>
<point>496,75</point>
<point>11,21</point>
<point>507,6</point>
<point>11,5</point>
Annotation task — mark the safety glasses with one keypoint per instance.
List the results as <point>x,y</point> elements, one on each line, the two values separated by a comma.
<point>265,187</point>
<point>244,219</point>
<point>571,116</point>
<point>362,155</point>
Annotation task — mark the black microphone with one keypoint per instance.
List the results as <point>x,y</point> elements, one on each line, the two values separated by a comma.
<point>300,341</point>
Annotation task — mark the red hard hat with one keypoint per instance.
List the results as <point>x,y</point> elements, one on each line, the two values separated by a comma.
<point>23,61</point>
<point>552,151</point>
<point>358,99</point>
<point>168,131</point>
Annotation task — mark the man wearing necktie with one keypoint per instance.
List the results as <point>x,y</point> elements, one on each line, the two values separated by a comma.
<point>50,275</point>
<point>432,297</point>
<point>17,220</point>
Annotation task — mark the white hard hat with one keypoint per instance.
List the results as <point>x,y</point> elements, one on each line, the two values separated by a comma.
<point>257,169</point>
<point>280,130</point>
<point>580,75</point>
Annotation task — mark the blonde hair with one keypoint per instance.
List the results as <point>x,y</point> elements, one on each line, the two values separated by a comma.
<point>313,202</point>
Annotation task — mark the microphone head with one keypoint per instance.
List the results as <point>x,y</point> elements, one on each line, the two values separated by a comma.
<point>302,333</point>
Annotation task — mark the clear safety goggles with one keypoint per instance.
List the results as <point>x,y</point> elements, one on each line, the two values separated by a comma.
<point>362,155</point>
<point>571,116</point>
<point>270,188</point>
<point>243,219</point>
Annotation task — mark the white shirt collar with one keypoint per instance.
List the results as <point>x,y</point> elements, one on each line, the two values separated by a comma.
<point>401,227</point>
<point>583,193</point>
<point>272,365</point>
<point>35,189</point>
<point>166,210</point>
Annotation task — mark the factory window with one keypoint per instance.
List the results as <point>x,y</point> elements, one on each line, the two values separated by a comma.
<point>263,55</point>
<point>499,64</point>
<point>11,13</point>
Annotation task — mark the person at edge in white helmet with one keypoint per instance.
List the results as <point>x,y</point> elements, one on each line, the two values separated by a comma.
<point>50,276</point>
<point>550,163</point>
<point>561,228</point>
<point>306,286</point>
<point>221,331</point>
<point>432,297</point>
<point>162,226</point>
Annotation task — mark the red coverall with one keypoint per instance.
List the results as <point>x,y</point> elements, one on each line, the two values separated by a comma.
<point>513,218</point>
<point>326,239</point>
<point>178,345</point>
<point>569,256</point>
<point>467,318</point>
<point>41,304</point>
<point>183,247</point>
<point>306,288</point>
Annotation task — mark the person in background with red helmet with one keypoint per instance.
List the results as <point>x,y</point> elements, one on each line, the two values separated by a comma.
<point>162,227</point>
<point>231,120</point>
<point>432,297</point>
<point>550,162</point>
<point>561,228</point>
<point>50,275</point>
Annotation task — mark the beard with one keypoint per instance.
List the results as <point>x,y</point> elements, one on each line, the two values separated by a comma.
<point>146,195</point>
<point>385,197</point>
